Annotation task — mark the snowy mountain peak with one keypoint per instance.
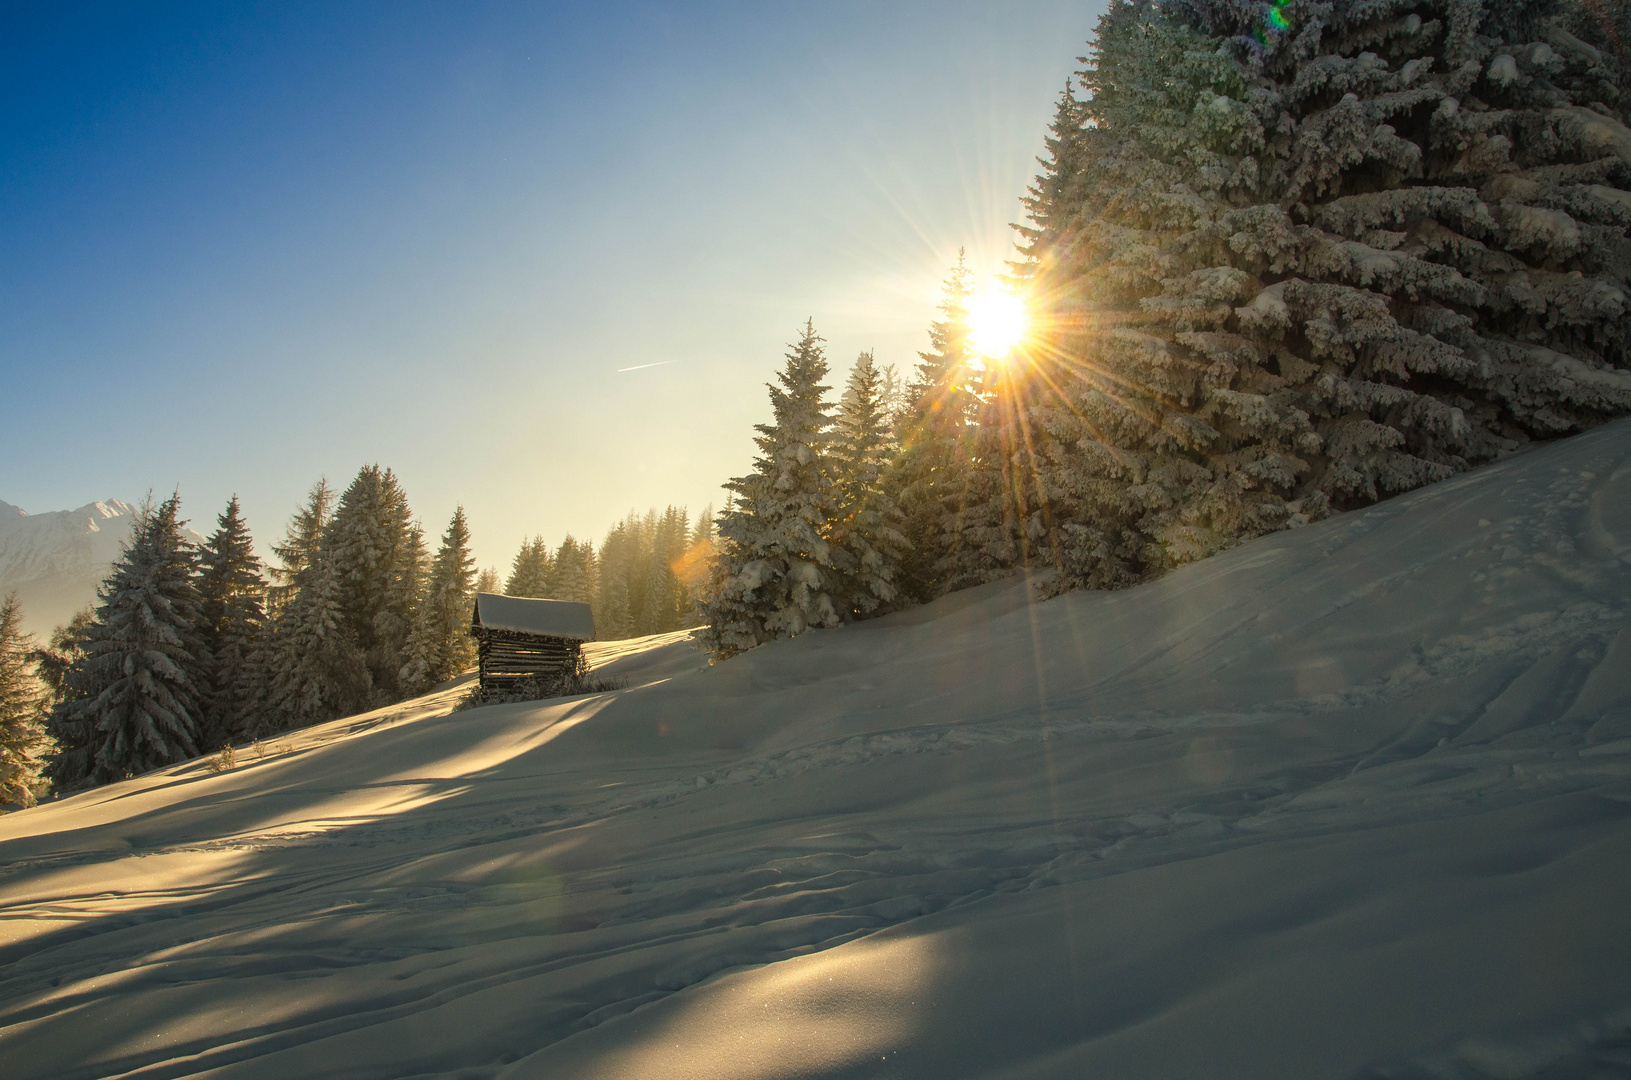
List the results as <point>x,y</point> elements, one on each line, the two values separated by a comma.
<point>96,512</point>
<point>54,561</point>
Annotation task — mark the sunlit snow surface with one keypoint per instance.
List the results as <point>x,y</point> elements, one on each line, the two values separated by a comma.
<point>1353,801</point>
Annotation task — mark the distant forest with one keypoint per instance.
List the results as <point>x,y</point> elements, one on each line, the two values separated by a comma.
<point>191,649</point>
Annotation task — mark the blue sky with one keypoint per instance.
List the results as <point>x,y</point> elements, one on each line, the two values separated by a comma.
<point>248,244</point>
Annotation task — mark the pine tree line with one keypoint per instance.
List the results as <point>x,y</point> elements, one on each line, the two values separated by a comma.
<point>815,534</point>
<point>191,649</point>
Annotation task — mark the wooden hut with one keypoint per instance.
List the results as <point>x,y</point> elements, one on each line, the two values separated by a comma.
<point>519,638</point>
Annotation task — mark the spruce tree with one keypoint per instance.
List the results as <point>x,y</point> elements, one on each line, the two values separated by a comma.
<point>706,529</point>
<point>868,523</point>
<point>530,572</point>
<point>573,572</point>
<point>440,645</point>
<point>318,670</point>
<point>1003,509</point>
<point>777,570</point>
<point>231,593</point>
<point>56,659</point>
<point>300,545</point>
<point>613,607</point>
<point>136,692</point>
<point>1056,194</point>
<point>313,666</point>
<point>618,580</point>
<point>488,580</point>
<point>662,597</point>
<point>927,480</point>
<point>892,395</point>
<point>407,589</point>
<point>378,558</point>
<point>23,743</point>
<point>1302,256</point>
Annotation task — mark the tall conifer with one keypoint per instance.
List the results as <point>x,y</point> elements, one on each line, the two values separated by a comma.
<point>23,743</point>
<point>927,480</point>
<point>378,558</point>
<point>662,597</point>
<point>440,645</point>
<point>315,669</point>
<point>137,690</point>
<point>56,659</point>
<point>231,596</point>
<point>868,523</point>
<point>573,573</point>
<point>621,578</point>
<point>530,572</point>
<point>319,671</point>
<point>778,572</point>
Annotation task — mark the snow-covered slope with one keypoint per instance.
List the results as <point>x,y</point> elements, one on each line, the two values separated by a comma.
<point>1353,801</point>
<point>55,561</point>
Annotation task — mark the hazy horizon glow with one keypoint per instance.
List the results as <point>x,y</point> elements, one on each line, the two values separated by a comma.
<point>539,260</point>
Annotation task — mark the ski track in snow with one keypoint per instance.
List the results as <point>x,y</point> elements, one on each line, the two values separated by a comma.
<point>1376,769</point>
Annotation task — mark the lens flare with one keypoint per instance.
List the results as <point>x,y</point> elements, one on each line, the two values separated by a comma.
<point>996,322</point>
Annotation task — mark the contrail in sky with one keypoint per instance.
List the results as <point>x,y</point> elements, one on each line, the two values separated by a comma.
<point>637,367</point>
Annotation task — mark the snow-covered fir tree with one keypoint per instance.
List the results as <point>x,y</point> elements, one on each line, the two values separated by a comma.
<point>315,669</point>
<point>1301,256</point>
<point>54,660</point>
<point>777,571</point>
<point>440,645</point>
<point>529,573</point>
<point>231,593</point>
<point>868,523</point>
<point>321,671</point>
<point>574,572</point>
<point>1055,196</point>
<point>1002,509</point>
<point>301,543</point>
<point>488,581</point>
<point>663,602</point>
<point>620,576</point>
<point>613,607</point>
<point>377,554</point>
<point>411,582</point>
<point>136,692</point>
<point>892,394</point>
<point>23,743</point>
<point>927,479</point>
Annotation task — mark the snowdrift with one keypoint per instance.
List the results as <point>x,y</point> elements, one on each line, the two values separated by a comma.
<point>1352,801</point>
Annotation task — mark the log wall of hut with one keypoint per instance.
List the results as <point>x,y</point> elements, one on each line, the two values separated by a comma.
<point>509,657</point>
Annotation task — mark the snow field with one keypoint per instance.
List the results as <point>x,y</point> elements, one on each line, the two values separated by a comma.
<point>1349,801</point>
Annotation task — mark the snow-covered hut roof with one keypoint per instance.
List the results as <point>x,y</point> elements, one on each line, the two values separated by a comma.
<point>546,618</point>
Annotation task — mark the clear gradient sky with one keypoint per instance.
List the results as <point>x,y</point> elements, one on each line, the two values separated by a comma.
<point>246,244</point>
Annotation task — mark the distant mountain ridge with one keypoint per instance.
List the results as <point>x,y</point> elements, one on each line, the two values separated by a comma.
<point>55,561</point>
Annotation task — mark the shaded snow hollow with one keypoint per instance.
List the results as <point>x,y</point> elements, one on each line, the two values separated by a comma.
<point>1351,801</point>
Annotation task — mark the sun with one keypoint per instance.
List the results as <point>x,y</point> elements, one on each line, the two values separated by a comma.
<point>996,322</point>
